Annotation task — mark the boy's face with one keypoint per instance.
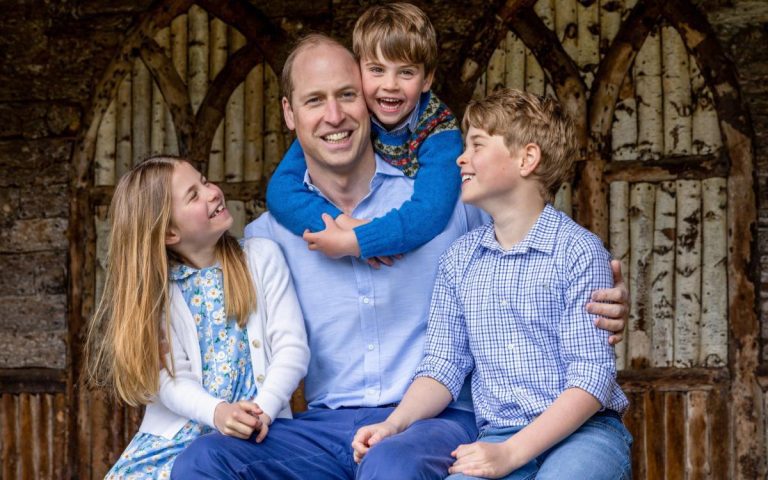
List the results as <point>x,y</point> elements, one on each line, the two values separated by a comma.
<point>489,170</point>
<point>392,88</point>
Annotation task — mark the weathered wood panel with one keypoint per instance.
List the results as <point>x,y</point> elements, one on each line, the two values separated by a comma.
<point>33,439</point>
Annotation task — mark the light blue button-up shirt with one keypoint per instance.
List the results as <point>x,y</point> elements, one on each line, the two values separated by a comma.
<point>365,327</point>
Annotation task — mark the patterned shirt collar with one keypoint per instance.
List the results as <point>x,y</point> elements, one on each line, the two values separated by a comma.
<point>408,123</point>
<point>541,236</point>
<point>180,271</point>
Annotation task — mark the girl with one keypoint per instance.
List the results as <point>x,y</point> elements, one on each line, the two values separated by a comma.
<point>236,345</point>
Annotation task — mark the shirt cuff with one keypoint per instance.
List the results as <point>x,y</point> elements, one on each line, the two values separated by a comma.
<point>444,372</point>
<point>597,380</point>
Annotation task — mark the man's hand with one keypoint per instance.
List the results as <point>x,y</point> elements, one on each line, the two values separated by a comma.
<point>612,304</point>
<point>266,421</point>
<point>483,459</point>
<point>370,435</point>
<point>334,241</point>
<point>239,419</point>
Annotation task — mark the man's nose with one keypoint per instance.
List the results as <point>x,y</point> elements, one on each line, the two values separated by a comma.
<point>333,112</point>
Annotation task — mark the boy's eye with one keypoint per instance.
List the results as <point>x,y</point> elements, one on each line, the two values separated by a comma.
<point>375,69</point>
<point>408,73</point>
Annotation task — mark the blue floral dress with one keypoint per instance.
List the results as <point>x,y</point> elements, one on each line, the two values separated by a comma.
<point>227,373</point>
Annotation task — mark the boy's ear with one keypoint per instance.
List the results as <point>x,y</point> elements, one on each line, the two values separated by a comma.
<point>172,236</point>
<point>428,79</point>
<point>530,158</point>
<point>288,114</point>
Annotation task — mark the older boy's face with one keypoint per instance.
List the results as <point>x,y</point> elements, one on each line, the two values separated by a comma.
<point>392,88</point>
<point>327,109</point>
<point>489,170</point>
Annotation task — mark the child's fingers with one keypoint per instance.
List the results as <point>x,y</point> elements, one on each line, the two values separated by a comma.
<point>374,263</point>
<point>250,407</point>
<point>262,433</point>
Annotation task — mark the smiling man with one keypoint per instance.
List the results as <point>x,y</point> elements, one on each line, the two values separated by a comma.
<point>365,326</point>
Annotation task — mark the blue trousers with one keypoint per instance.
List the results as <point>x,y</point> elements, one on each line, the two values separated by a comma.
<point>317,445</point>
<point>598,450</point>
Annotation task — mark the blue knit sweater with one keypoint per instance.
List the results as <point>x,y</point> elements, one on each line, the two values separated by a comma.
<point>428,154</point>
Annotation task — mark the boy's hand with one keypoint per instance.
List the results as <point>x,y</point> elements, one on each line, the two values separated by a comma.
<point>483,459</point>
<point>612,304</point>
<point>334,241</point>
<point>346,222</point>
<point>239,419</point>
<point>266,421</point>
<point>370,435</point>
<point>377,262</point>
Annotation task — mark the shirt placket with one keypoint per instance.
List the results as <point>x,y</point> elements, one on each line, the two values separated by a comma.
<point>370,333</point>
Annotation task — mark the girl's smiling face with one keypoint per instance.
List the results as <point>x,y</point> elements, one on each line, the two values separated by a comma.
<point>199,215</point>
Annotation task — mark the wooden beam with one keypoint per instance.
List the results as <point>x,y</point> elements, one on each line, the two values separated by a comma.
<point>674,379</point>
<point>692,167</point>
<point>32,380</point>
<point>243,191</point>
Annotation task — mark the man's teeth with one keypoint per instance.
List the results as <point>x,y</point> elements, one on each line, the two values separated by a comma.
<point>336,137</point>
<point>218,210</point>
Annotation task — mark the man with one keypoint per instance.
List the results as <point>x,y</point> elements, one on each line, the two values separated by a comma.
<point>365,327</point>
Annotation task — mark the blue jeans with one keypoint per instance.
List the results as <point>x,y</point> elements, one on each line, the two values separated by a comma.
<point>317,445</point>
<point>599,449</point>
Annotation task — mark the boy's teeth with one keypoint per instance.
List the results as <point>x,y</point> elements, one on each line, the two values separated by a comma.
<point>336,137</point>
<point>466,177</point>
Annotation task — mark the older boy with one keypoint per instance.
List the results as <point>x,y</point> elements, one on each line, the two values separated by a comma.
<point>411,129</point>
<point>507,308</point>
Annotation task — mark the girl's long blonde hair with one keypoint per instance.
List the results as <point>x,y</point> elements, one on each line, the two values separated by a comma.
<point>123,345</point>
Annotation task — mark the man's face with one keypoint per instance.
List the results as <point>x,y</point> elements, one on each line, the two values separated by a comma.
<point>327,108</point>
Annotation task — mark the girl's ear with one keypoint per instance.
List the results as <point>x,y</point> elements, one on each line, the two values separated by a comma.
<point>530,159</point>
<point>172,236</point>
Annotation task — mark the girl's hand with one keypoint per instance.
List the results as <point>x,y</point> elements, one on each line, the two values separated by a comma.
<point>238,420</point>
<point>483,459</point>
<point>265,423</point>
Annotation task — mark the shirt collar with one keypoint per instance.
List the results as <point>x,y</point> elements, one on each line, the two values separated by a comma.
<point>383,169</point>
<point>540,237</point>
<point>409,122</point>
<point>180,271</point>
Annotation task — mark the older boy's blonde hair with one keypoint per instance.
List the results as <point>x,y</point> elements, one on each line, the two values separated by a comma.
<point>523,118</point>
<point>123,346</point>
<point>402,31</point>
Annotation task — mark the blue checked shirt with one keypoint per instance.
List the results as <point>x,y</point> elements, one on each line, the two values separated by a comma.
<point>516,321</point>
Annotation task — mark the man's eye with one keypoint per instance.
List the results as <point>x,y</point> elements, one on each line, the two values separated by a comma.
<point>312,101</point>
<point>349,95</point>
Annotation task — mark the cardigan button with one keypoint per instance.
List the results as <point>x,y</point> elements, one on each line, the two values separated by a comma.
<point>256,344</point>
<point>260,379</point>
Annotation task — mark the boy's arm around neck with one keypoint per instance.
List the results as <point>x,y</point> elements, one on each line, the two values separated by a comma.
<point>290,201</point>
<point>425,215</point>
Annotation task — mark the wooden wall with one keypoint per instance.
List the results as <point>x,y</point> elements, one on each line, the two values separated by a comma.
<point>664,178</point>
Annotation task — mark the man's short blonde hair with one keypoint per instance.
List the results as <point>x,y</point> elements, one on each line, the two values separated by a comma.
<point>401,31</point>
<point>305,42</point>
<point>523,118</point>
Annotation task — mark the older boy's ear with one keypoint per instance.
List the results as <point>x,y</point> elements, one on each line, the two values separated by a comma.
<point>288,114</point>
<point>530,159</point>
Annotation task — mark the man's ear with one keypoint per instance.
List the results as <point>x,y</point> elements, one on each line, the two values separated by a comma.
<point>531,156</point>
<point>172,236</point>
<point>288,114</point>
<point>428,79</point>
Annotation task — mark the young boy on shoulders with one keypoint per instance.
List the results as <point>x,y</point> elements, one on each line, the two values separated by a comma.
<point>412,129</point>
<point>507,308</point>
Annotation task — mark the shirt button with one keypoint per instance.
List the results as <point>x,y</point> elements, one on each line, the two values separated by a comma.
<point>371,391</point>
<point>366,300</point>
<point>510,347</point>
<point>256,344</point>
<point>260,379</point>
<point>503,303</point>
<point>371,347</point>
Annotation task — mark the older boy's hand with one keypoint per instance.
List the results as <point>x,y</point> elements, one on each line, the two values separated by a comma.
<point>612,304</point>
<point>370,435</point>
<point>334,241</point>
<point>483,459</point>
<point>239,419</point>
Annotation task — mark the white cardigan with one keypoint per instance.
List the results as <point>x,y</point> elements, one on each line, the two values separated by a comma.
<point>277,341</point>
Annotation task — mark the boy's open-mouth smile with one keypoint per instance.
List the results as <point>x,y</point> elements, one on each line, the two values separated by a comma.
<point>389,104</point>
<point>465,177</point>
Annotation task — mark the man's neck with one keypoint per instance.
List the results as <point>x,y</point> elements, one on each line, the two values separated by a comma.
<point>344,188</point>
